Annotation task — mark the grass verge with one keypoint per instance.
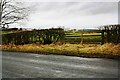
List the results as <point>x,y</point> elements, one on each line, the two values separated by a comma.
<point>86,50</point>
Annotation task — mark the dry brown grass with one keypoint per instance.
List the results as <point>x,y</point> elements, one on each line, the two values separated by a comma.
<point>107,49</point>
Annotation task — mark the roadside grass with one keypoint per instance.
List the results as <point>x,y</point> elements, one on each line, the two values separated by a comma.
<point>107,50</point>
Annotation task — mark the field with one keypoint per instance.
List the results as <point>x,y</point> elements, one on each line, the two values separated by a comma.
<point>87,38</point>
<point>7,32</point>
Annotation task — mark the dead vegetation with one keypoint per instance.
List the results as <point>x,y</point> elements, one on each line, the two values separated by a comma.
<point>88,50</point>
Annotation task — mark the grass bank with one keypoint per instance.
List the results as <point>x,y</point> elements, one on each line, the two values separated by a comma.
<point>86,50</point>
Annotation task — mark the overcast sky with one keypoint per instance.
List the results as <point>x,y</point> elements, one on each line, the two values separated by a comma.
<point>78,15</point>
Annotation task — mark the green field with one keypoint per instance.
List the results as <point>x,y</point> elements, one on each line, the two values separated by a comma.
<point>94,38</point>
<point>9,32</point>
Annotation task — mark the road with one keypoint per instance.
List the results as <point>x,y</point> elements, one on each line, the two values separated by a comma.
<point>27,65</point>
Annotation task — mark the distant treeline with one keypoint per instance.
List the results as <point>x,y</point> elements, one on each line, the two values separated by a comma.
<point>44,36</point>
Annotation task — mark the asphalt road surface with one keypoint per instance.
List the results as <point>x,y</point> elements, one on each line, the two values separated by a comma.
<point>21,65</point>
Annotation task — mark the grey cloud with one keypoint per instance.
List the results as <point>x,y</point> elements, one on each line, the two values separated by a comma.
<point>71,10</point>
<point>75,13</point>
<point>48,6</point>
<point>100,7</point>
<point>78,8</point>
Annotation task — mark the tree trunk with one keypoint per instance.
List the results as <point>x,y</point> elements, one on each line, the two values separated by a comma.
<point>0,12</point>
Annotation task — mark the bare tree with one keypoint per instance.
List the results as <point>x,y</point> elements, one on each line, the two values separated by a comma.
<point>12,12</point>
<point>0,13</point>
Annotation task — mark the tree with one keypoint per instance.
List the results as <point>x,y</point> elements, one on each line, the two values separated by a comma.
<point>0,13</point>
<point>12,12</point>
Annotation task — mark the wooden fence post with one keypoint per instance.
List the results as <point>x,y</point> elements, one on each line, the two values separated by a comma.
<point>102,35</point>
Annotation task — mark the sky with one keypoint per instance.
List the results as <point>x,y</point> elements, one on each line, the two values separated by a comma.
<point>72,14</point>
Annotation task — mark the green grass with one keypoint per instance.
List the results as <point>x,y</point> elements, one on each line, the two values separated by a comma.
<point>94,38</point>
<point>7,32</point>
<point>84,35</point>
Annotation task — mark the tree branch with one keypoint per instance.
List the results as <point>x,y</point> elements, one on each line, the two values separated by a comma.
<point>15,11</point>
<point>12,12</point>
